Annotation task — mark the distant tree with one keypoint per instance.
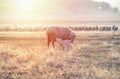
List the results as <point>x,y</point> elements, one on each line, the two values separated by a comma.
<point>114,28</point>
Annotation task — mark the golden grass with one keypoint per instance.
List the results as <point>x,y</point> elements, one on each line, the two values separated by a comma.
<point>24,55</point>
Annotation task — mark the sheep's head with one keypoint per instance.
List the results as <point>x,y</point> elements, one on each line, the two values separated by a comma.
<point>72,36</point>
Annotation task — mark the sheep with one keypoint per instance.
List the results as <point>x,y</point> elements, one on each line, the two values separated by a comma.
<point>63,33</point>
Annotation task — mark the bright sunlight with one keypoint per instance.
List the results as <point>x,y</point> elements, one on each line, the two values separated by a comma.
<point>27,9</point>
<point>25,4</point>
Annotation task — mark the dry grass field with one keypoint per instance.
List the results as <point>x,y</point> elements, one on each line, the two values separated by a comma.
<point>95,55</point>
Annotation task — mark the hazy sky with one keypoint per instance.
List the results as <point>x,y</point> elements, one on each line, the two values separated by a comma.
<point>95,10</point>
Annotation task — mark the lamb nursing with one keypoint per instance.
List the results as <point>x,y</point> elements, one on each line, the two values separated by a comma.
<point>64,33</point>
<point>64,44</point>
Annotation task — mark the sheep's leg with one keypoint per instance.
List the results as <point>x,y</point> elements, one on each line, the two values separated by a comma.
<point>48,43</point>
<point>48,40</point>
<point>62,47</point>
<point>53,44</point>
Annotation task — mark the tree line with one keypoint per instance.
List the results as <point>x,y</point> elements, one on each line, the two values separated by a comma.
<point>76,28</point>
<point>95,28</point>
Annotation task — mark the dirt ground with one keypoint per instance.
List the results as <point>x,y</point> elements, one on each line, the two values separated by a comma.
<point>94,55</point>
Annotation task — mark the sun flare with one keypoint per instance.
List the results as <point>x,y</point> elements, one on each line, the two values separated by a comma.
<point>25,4</point>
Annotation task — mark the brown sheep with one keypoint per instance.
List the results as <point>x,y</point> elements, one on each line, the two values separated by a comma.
<point>63,33</point>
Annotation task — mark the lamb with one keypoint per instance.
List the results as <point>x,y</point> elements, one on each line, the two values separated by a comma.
<point>64,33</point>
<point>64,44</point>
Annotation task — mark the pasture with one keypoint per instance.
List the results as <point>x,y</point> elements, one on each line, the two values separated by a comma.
<point>95,55</point>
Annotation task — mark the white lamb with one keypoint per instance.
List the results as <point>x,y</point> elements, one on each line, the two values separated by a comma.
<point>64,44</point>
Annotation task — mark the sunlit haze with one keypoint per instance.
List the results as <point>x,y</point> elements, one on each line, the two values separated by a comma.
<point>80,10</point>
